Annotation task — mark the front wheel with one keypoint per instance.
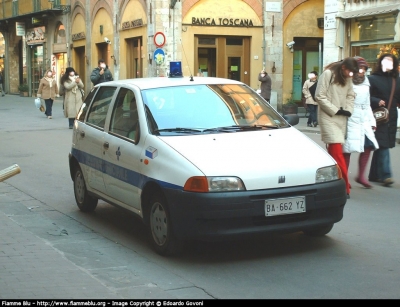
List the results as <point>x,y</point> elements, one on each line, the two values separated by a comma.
<point>318,231</point>
<point>160,229</point>
<point>85,202</point>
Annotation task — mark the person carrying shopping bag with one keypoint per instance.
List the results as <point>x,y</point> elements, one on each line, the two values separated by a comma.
<point>48,91</point>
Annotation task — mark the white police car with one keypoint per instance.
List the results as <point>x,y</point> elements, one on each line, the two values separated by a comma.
<point>201,158</point>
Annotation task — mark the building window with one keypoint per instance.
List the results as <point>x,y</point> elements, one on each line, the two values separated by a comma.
<point>234,41</point>
<point>207,41</point>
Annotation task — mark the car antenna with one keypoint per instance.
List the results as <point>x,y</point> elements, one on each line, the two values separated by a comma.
<point>191,75</point>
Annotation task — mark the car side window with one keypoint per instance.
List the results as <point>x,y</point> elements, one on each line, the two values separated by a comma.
<point>98,110</point>
<point>85,106</point>
<point>124,118</point>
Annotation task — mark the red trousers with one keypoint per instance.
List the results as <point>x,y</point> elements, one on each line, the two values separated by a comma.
<point>336,151</point>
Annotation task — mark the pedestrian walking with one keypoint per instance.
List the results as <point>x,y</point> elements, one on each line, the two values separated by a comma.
<point>384,79</point>
<point>72,95</point>
<point>361,125</point>
<point>309,88</point>
<point>1,85</point>
<point>265,85</point>
<point>335,98</point>
<point>48,91</point>
<point>101,73</point>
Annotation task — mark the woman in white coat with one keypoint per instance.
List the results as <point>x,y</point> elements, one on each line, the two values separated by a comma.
<point>361,125</point>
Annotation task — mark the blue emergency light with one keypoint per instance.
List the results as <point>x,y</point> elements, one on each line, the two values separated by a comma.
<point>175,69</point>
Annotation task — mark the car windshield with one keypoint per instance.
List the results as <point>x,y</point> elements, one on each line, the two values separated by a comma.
<point>208,109</point>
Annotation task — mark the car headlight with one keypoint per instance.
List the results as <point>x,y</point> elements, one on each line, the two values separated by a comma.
<point>329,173</point>
<point>213,184</point>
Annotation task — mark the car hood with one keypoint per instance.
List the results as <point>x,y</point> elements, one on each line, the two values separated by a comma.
<point>259,158</point>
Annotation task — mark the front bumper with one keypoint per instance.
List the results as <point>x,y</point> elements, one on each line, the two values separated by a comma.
<point>213,215</point>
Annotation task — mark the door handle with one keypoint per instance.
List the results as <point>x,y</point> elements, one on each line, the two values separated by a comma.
<point>106,145</point>
<point>82,133</point>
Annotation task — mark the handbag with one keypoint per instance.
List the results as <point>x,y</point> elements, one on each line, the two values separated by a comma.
<point>381,114</point>
<point>82,92</point>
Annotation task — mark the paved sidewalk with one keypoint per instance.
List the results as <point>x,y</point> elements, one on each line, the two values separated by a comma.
<point>30,268</point>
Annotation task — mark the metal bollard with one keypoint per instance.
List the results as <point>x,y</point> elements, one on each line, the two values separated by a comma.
<point>9,172</point>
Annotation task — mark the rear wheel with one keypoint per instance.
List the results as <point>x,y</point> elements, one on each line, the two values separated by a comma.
<point>318,231</point>
<point>160,229</point>
<point>85,202</point>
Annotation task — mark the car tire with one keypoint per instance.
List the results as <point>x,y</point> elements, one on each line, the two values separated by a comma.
<point>159,224</point>
<point>85,202</point>
<point>318,231</point>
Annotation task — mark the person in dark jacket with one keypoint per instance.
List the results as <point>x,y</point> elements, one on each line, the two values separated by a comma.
<point>101,73</point>
<point>1,85</point>
<point>265,85</point>
<point>381,81</point>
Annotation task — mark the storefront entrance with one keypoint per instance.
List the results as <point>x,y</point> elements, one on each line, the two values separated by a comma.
<point>224,57</point>
<point>134,59</point>
<point>307,57</point>
<point>37,66</point>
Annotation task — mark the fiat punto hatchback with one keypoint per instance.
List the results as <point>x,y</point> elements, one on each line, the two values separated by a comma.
<point>201,158</point>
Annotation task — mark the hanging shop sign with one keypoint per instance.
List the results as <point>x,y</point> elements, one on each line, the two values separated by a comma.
<point>159,56</point>
<point>36,36</point>
<point>159,39</point>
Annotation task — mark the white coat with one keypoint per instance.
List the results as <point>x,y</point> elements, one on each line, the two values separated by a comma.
<point>307,84</point>
<point>361,121</point>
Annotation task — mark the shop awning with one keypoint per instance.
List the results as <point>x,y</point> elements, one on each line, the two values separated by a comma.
<point>369,11</point>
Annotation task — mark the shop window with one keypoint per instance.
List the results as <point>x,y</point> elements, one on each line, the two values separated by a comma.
<point>372,36</point>
<point>373,28</point>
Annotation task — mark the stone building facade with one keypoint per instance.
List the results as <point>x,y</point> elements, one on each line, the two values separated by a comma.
<point>226,38</point>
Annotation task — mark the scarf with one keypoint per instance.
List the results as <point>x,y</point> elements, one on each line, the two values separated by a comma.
<point>76,85</point>
<point>50,80</point>
<point>358,79</point>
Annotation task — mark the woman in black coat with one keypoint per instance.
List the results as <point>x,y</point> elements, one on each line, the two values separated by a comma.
<point>381,81</point>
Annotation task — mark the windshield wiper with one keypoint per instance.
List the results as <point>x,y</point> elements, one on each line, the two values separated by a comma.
<point>180,130</point>
<point>242,127</point>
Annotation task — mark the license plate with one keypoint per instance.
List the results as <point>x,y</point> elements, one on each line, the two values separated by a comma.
<point>281,206</point>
